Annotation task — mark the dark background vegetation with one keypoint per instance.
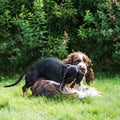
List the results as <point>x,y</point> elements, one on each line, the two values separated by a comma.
<point>31,30</point>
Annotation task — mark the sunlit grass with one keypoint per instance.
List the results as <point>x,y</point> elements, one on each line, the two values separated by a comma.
<point>13,106</point>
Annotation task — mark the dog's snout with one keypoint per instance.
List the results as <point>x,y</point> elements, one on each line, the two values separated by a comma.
<point>83,68</point>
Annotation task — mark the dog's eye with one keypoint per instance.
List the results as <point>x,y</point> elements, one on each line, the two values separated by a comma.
<point>76,62</point>
<point>84,60</point>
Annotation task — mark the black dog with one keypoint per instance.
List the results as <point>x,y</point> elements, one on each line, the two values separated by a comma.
<point>51,69</point>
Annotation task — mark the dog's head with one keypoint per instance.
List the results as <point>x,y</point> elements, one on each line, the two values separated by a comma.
<point>84,64</point>
<point>79,59</point>
<point>71,76</point>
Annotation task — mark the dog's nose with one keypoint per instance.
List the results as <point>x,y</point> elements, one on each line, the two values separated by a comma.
<point>82,68</point>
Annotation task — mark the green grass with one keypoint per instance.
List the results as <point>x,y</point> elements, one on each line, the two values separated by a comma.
<point>13,106</point>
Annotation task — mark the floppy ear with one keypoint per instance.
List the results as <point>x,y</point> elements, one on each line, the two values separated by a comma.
<point>63,75</point>
<point>89,76</point>
<point>64,71</point>
<point>63,68</point>
<point>90,63</point>
<point>79,77</point>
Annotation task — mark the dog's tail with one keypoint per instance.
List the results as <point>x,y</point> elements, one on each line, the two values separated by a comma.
<point>20,78</point>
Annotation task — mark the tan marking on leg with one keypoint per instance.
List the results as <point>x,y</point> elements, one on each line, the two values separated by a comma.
<point>25,92</point>
<point>69,84</point>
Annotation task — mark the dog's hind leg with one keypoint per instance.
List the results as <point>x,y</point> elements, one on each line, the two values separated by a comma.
<point>29,81</point>
<point>24,89</point>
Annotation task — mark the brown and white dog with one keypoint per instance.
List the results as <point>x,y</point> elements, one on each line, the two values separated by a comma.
<point>44,87</point>
<point>83,62</point>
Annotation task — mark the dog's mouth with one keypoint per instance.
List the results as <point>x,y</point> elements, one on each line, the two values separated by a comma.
<point>83,70</point>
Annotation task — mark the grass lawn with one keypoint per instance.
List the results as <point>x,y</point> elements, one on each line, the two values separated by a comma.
<point>13,106</point>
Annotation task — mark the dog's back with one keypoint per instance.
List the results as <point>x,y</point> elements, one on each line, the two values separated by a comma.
<point>49,68</point>
<point>45,88</point>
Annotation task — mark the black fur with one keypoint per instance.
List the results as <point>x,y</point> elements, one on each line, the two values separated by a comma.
<point>72,75</point>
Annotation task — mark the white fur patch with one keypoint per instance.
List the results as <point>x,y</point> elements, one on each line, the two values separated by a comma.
<point>53,82</point>
<point>82,64</point>
<point>81,57</point>
<point>84,92</point>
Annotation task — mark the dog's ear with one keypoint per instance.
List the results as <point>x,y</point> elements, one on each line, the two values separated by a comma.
<point>64,68</point>
<point>79,77</point>
<point>89,63</point>
<point>89,76</point>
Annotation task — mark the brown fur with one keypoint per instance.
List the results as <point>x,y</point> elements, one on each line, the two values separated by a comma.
<point>43,87</point>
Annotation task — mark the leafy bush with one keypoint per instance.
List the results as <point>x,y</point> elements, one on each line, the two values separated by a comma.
<point>58,47</point>
<point>101,31</point>
<point>116,56</point>
<point>25,38</point>
<point>31,30</point>
<point>93,27</point>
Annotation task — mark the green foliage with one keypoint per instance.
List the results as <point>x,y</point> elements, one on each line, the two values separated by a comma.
<point>101,29</point>
<point>58,47</point>
<point>24,36</point>
<point>116,56</point>
<point>60,17</point>
<point>89,24</point>
<point>33,29</point>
